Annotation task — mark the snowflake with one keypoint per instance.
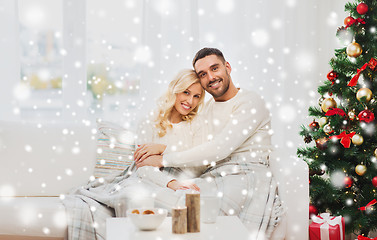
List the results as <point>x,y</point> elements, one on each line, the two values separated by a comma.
<point>260,37</point>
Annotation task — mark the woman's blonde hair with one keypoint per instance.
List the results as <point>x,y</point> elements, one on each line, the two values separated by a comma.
<point>183,80</point>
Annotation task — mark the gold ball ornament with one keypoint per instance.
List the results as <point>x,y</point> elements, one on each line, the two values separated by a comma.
<point>375,152</point>
<point>360,169</point>
<point>352,115</point>
<point>328,103</point>
<point>327,129</point>
<point>322,121</point>
<point>364,92</point>
<point>354,49</point>
<point>357,139</point>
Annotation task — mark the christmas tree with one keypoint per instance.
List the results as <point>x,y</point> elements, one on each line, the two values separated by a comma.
<point>342,139</point>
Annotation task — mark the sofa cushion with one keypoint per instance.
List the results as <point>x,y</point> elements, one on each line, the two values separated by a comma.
<point>115,148</point>
<point>33,216</point>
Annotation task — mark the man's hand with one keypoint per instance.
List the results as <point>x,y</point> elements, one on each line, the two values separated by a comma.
<point>149,149</point>
<point>177,185</point>
<point>154,161</point>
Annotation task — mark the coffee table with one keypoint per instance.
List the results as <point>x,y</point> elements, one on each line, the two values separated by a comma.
<point>225,228</point>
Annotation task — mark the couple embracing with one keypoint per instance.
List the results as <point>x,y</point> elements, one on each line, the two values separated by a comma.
<point>220,147</point>
<point>223,149</point>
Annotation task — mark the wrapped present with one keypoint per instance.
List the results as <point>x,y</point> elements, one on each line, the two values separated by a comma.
<point>326,227</point>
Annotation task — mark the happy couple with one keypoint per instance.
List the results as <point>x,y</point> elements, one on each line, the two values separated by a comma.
<point>222,149</point>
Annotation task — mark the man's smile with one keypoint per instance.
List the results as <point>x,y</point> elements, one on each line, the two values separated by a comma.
<point>215,84</point>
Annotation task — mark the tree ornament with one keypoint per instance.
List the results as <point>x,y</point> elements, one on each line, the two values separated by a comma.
<point>366,116</point>
<point>348,182</point>
<point>354,49</point>
<point>374,181</point>
<point>348,20</point>
<point>360,169</point>
<point>314,126</point>
<point>312,210</point>
<point>321,143</point>
<point>322,121</point>
<point>320,100</point>
<point>328,129</point>
<point>362,8</point>
<point>332,76</point>
<point>364,93</point>
<point>357,139</point>
<point>335,111</point>
<point>308,139</point>
<point>345,139</point>
<point>352,114</point>
<point>375,152</point>
<point>327,104</point>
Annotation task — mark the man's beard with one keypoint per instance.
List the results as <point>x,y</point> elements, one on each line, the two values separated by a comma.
<point>216,94</point>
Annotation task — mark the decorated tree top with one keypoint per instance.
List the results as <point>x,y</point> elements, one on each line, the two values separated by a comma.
<point>343,160</point>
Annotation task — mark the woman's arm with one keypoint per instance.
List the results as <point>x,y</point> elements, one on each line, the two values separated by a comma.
<point>148,149</point>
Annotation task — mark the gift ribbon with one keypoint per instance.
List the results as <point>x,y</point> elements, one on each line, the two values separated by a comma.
<point>371,203</point>
<point>325,220</point>
<point>345,138</point>
<point>335,111</point>
<point>365,238</point>
<point>371,64</point>
<point>357,20</point>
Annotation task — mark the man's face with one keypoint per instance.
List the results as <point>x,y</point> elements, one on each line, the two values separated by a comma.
<point>214,75</point>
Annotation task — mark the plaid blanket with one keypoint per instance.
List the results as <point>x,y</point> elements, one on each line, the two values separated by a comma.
<point>248,190</point>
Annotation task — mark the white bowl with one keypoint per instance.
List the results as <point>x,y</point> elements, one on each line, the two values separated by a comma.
<point>147,221</point>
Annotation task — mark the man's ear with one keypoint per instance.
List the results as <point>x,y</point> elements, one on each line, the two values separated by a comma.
<point>228,67</point>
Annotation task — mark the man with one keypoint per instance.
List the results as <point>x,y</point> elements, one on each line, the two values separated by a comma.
<point>238,149</point>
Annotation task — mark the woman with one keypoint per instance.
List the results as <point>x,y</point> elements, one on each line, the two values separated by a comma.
<point>173,124</point>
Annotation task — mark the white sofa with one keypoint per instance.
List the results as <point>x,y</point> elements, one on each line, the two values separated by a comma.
<point>41,163</point>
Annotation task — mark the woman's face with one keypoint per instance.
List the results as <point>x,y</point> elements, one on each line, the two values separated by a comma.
<point>188,100</point>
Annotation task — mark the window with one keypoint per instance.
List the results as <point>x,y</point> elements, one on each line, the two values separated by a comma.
<point>114,32</point>
<point>41,60</point>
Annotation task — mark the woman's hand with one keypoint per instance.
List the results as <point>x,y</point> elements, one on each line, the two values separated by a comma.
<point>154,161</point>
<point>146,150</point>
<point>177,185</point>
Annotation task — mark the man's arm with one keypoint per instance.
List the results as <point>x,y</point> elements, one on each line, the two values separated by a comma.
<point>243,123</point>
<point>154,175</point>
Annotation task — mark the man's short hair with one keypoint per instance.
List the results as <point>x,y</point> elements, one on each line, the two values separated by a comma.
<point>204,52</point>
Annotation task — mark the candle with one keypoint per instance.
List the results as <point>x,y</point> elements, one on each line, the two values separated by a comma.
<point>193,212</point>
<point>179,220</point>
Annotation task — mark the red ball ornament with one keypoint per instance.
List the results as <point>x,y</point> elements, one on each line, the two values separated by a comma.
<point>374,181</point>
<point>314,126</point>
<point>366,116</point>
<point>362,8</point>
<point>348,182</point>
<point>312,211</point>
<point>348,21</point>
<point>331,76</point>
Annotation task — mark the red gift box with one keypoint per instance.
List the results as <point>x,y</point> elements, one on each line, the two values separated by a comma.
<point>326,227</point>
